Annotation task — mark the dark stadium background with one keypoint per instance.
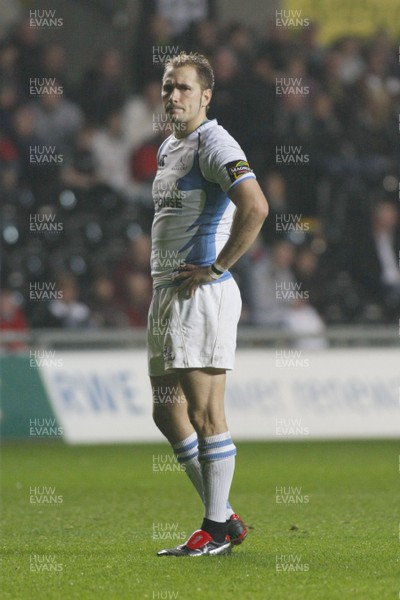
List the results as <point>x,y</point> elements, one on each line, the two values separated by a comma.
<point>345,130</point>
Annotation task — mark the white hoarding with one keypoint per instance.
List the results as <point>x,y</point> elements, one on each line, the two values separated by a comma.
<point>106,396</point>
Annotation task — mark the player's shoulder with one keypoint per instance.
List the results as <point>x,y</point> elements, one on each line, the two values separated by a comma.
<point>213,136</point>
<point>165,142</point>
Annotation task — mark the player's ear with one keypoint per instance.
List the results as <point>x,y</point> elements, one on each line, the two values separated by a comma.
<point>206,97</point>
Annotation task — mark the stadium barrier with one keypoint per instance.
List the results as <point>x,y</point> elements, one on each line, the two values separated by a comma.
<point>274,393</point>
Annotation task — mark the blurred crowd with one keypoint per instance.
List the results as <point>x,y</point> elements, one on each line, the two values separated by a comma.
<point>320,127</point>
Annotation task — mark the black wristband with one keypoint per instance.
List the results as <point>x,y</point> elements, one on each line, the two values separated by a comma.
<point>216,271</point>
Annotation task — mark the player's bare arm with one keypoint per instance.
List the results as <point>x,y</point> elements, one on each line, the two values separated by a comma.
<point>251,212</point>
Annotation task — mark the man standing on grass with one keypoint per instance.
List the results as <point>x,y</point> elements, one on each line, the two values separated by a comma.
<point>209,209</point>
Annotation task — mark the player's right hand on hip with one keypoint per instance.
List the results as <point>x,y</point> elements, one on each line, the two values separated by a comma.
<point>191,277</point>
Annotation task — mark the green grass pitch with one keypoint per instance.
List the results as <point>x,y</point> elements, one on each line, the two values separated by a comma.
<point>336,537</point>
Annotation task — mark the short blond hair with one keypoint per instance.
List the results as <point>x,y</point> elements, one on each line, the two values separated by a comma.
<point>203,68</point>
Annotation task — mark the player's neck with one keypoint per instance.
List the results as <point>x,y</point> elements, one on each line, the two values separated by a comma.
<point>182,132</point>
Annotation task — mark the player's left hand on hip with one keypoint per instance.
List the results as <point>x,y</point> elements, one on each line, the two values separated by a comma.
<point>191,276</point>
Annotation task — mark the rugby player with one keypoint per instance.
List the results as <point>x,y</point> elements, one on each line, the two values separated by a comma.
<point>209,209</point>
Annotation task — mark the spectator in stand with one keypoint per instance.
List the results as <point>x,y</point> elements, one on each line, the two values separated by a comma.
<point>274,187</point>
<point>9,73</point>
<point>24,138</point>
<point>379,78</point>
<point>271,269</point>
<point>293,127</point>
<point>12,318</point>
<point>240,39</point>
<point>105,310</point>
<point>305,321</point>
<point>53,65</point>
<point>154,44</point>
<point>327,133</point>
<point>8,152</point>
<point>103,88</point>
<point>8,184</point>
<point>80,169</point>
<point>375,257</point>
<point>8,103</point>
<point>27,41</point>
<point>225,94</point>
<point>144,114</point>
<point>275,299</point>
<point>179,14</point>
<point>372,132</point>
<point>312,50</point>
<point>143,161</point>
<point>111,150</point>
<point>256,135</point>
<point>330,82</point>
<point>312,277</point>
<point>67,311</point>
<point>203,38</point>
<point>293,120</point>
<point>277,45</point>
<point>136,260</point>
<point>11,13</point>
<point>137,298</point>
<point>57,120</point>
<point>351,65</point>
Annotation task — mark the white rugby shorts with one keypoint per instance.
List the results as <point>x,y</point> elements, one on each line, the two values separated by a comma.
<point>193,333</point>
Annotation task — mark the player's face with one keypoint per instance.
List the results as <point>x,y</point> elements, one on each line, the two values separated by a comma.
<point>184,100</point>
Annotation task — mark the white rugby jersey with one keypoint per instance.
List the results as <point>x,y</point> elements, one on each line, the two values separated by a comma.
<point>193,213</point>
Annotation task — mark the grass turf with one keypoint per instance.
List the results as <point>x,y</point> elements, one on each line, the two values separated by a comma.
<point>341,543</point>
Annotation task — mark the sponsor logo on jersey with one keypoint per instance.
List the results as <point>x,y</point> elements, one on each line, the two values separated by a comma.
<point>181,165</point>
<point>237,168</point>
<point>161,162</point>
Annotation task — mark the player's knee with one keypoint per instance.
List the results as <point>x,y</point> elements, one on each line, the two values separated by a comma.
<point>203,424</point>
<point>165,416</point>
